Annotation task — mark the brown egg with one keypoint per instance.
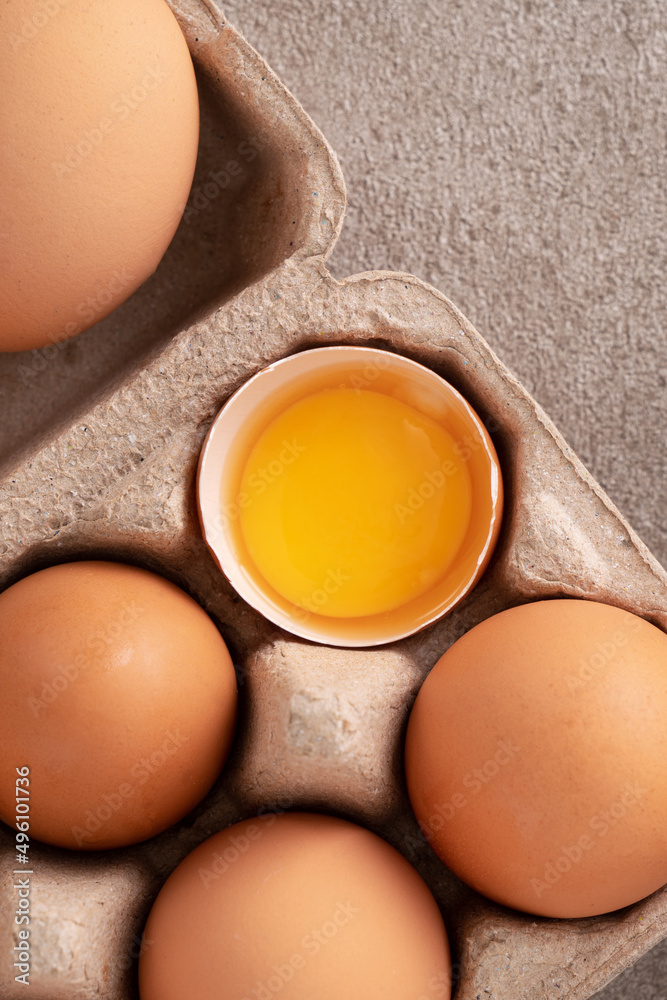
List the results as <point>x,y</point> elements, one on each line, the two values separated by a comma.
<point>119,695</point>
<point>536,758</point>
<point>299,906</point>
<point>99,125</point>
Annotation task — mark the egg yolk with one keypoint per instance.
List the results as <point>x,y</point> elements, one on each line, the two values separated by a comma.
<point>353,503</point>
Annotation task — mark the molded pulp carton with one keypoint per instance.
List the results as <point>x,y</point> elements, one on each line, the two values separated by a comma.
<point>245,283</point>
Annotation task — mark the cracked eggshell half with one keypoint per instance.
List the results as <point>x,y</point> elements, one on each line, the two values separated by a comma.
<point>269,394</point>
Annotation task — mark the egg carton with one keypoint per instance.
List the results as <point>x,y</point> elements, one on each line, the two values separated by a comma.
<point>320,728</point>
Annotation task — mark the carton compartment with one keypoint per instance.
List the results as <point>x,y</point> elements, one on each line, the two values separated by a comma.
<point>244,216</point>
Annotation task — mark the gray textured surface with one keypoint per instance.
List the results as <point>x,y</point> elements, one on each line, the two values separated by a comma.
<point>647,980</point>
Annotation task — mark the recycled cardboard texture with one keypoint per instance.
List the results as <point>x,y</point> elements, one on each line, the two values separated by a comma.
<point>320,727</point>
